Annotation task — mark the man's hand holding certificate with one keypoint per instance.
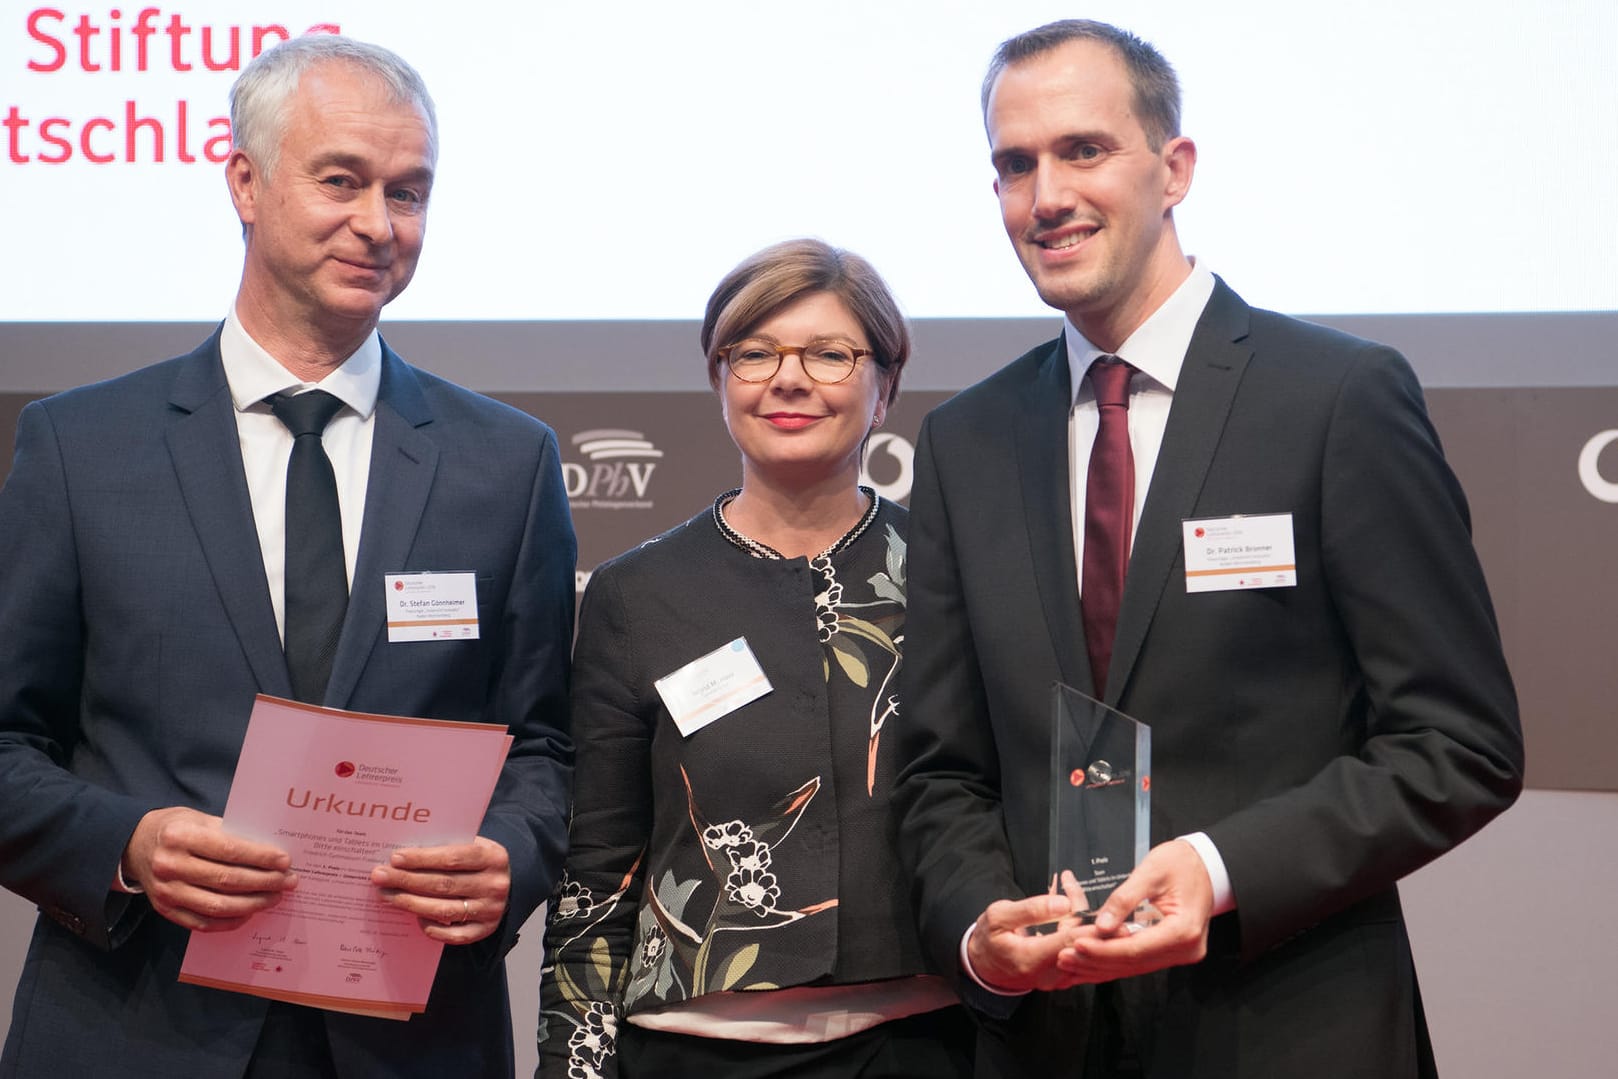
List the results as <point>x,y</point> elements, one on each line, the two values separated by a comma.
<point>458,893</point>
<point>379,816</point>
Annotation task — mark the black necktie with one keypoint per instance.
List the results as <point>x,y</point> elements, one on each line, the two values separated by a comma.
<point>316,578</point>
<point>1109,506</point>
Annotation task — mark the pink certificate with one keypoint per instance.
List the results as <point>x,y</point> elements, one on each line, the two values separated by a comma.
<point>339,791</point>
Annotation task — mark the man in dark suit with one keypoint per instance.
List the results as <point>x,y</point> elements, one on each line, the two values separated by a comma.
<point>150,567</point>
<point>1315,738</point>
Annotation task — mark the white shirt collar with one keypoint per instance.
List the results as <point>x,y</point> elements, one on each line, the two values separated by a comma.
<point>1158,346</point>
<point>253,374</point>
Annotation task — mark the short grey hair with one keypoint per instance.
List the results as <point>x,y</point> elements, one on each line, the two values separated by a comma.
<point>261,99</point>
<point>1157,88</point>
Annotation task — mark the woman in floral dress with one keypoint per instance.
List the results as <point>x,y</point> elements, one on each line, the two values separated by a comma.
<point>732,905</point>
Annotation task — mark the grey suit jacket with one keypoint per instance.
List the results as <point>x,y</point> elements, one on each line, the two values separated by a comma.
<point>138,627</point>
<point>1329,737</point>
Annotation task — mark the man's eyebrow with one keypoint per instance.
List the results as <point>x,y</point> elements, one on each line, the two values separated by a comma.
<point>355,163</point>
<point>1061,143</point>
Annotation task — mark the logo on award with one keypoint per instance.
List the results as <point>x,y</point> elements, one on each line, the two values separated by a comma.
<point>344,769</point>
<point>1101,773</point>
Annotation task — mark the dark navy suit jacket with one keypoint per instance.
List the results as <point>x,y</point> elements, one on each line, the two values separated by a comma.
<point>1329,738</point>
<point>136,628</point>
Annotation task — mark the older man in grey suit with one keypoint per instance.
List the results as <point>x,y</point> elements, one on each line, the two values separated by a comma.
<point>161,563</point>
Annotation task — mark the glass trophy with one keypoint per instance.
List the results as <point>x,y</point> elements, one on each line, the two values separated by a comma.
<point>1101,798</point>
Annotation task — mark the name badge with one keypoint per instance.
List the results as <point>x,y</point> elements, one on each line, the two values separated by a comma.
<point>431,606</point>
<point>1227,553</point>
<point>712,686</point>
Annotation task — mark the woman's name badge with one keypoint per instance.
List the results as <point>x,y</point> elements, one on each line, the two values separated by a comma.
<point>431,606</point>
<point>712,686</point>
<point>1223,554</point>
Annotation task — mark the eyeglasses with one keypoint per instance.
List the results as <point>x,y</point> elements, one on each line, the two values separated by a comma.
<point>826,360</point>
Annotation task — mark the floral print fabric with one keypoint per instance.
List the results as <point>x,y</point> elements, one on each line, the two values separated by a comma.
<point>712,900</point>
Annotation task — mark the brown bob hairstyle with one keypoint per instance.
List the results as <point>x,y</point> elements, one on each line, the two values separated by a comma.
<point>782,274</point>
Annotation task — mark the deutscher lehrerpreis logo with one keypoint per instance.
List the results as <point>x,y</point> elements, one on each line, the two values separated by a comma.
<point>616,472</point>
<point>376,775</point>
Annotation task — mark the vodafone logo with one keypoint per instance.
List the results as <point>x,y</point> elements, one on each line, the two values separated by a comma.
<point>1590,468</point>
<point>398,586</point>
<point>344,769</point>
<point>1201,532</point>
<point>889,466</point>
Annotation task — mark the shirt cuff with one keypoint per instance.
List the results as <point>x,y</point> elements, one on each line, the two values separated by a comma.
<point>966,965</point>
<point>119,884</point>
<point>1224,900</point>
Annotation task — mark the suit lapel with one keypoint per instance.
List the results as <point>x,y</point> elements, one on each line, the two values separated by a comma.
<point>205,447</point>
<point>1043,465</point>
<point>1213,368</point>
<point>403,463</point>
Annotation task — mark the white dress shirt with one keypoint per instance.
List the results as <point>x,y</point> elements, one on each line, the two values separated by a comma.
<point>253,375</point>
<point>1156,350</point>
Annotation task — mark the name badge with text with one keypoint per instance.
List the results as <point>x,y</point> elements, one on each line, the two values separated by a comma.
<point>1223,554</point>
<point>431,606</point>
<point>712,686</point>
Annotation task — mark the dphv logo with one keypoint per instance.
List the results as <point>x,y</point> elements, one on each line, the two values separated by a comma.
<point>619,469</point>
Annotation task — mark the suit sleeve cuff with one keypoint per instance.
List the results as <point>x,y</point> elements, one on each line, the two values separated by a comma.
<point>1224,899</point>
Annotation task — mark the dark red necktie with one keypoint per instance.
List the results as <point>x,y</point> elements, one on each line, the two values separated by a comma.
<point>1109,509</point>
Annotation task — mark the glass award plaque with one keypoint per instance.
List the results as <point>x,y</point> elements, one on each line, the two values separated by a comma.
<point>1101,796</point>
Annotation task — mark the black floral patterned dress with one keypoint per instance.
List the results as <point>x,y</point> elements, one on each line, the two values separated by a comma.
<point>754,853</point>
